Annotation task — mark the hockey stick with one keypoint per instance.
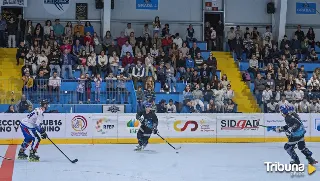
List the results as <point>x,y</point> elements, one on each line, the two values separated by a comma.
<point>168,142</point>
<point>5,158</point>
<point>72,161</point>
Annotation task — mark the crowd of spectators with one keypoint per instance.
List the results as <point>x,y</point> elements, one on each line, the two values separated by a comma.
<point>274,71</point>
<point>52,52</point>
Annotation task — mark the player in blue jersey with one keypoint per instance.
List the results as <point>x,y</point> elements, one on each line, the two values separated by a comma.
<point>295,132</point>
<point>29,127</point>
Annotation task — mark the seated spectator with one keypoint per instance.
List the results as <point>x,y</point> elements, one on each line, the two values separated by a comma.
<point>126,48</point>
<point>114,63</point>
<point>46,48</point>
<point>281,82</point>
<point>270,82</point>
<point>314,106</point>
<point>166,43</point>
<point>187,93</point>
<point>219,98</point>
<point>66,45</point>
<point>113,48</point>
<point>127,63</point>
<point>161,74</point>
<point>253,66</point>
<point>180,66</point>
<point>140,98</point>
<point>207,96</point>
<point>107,39</point>
<point>149,83</point>
<point>22,106</point>
<point>140,48</point>
<point>272,106</point>
<point>132,40</point>
<point>88,48</point>
<point>165,31</point>
<point>102,65</point>
<point>67,60</point>
<point>79,28</point>
<point>211,107</point>
<point>170,77</point>
<point>229,106</point>
<point>55,48</point>
<point>187,107</point>
<point>171,108</point>
<point>31,60</point>
<point>224,81</point>
<point>68,30</point>
<point>259,86</point>
<point>54,86</point>
<point>156,40</point>
<point>27,84</point>
<point>146,30</point>
<point>97,44</point>
<point>198,61</point>
<point>88,28</point>
<point>45,68</point>
<point>77,48</point>
<point>162,108</point>
<point>194,50</point>
<point>313,56</point>
<point>147,42</point>
<point>21,52</point>
<point>190,62</point>
<point>78,36</point>
<point>314,82</point>
<point>26,68</point>
<point>301,81</point>
<point>298,94</point>
<point>36,49</point>
<point>190,34</point>
<point>178,41</point>
<point>138,74</point>
<point>288,93</point>
<point>154,51</point>
<point>212,64</point>
<point>149,66</point>
<point>304,106</point>
<point>128,30</point>
<point>54,63</point>
<point>205,74</point>
<point>184,50</point>
<point>42,58</point>
<point>122,39</point>
<point>195,78</point>
<point>10,109</point>
<point>229,94</point>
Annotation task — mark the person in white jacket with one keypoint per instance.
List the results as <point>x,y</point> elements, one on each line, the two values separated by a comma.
<point>219,98</point>
<point>114,63</point>
<point>102,64</point>
<point>177,40</point>
<point>149,66</point>
<point>92,63</point>
<point>42,57</point>
<point>314,82</point>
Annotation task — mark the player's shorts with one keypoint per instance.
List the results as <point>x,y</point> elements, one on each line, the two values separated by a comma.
<point>29,133</point>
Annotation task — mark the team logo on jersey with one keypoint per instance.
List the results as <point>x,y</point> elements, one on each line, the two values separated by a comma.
<point>56,7</point>
<point>185,126</point>
<point>79,123</point>
<point>103,125</point>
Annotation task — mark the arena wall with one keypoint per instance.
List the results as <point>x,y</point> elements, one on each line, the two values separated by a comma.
<point>72,128</point>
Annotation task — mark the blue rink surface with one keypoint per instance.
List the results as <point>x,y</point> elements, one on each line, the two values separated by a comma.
<point>159,162</point>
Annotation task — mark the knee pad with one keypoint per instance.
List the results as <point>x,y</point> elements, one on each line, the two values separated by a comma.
<point>288,147</point>
<point>301,145</point>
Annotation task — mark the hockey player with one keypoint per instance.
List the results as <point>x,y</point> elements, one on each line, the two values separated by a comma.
<point>149,124</point>
<point>29,127</point>
<point>295,131</point>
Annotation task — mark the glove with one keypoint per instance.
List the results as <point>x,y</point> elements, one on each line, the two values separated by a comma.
<point>278,129</point>
<point>43,134</point>
<point>155,131</point>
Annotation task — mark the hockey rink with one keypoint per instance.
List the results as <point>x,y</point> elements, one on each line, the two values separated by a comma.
<point>159,162</point>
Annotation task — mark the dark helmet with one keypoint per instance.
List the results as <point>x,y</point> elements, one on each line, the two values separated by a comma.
<point>44,102</point>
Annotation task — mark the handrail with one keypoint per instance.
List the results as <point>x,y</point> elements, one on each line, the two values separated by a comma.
<point>64,20</point>
<point>315,26</point>
<point>258,25</point>
<point>150,21</point>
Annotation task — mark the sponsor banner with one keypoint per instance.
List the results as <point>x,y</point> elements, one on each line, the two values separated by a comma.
<point>9,125</point>
<point>147,4</point>
<point>105,125</point>
<point>306,8</point>
<point>128,126</point>
<point>15,3</point>
<point>56,7</point>
<point>276,119</point>
<point>240,125</point>
<point>54,124</point>
<point>113,108</point>
<point>78,125</point>
<point>315,124</point>
<point>191,126</point>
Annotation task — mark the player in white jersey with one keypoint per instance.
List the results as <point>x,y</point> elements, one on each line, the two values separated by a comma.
<point>29,127</point>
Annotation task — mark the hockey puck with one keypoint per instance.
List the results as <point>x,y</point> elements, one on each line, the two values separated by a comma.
<point>177,152</point>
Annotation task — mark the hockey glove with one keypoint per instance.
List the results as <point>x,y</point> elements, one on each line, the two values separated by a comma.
<point>279,129</point>
<point>155,131</point>
<point>43,134</point>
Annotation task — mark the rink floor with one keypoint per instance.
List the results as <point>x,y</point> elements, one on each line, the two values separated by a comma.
<point>159,162</point>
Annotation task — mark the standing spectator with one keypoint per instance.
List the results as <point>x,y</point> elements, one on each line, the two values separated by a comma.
<point>181,64</point>
<point>213,39</point>
<point>21,25</point>
<point>128,30</point>
<point>255,35</point>
<point>68,30</point>
<point>165,30</point>
<point>54,86</point>
<point>266,96</point>
<point>259,86</point>
<point>156,25</point>
<point>3,27</point>
<point>103,64</point>
<point>27,84</point>
<point>138,74</point>
<point>81,88</point>
<point>98,81</point>
<point>170,77</point>
<point>114,63</point>
<point>248,45</point>
<point>299,33</point>
<point>126,48</point>
<point>238,46</point>
<point>161,74</point>
<point>268,33</point>
<point>47,29</point>
<point>88,86</point>
<point>231,35</point>
<point>67,61</point>
<point>284,42</point>
<point>41,85</point>
<point>92,64</point>
<point>88,28</point>
<point>58,29</point>
<point>311,36</point>
<point>219,29</point>
<point>79,28</point>
<point>23,105</point>
<point>12,29</point>
<point>28,33</point>
<point>190,34</point>
<point>21,52</point>
<point>239,31</point>
<point>83,62</point>
<point>54,63</point>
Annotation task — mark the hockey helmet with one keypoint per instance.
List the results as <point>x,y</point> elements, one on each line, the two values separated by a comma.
<point>44,102</point>
<point>284,109</point>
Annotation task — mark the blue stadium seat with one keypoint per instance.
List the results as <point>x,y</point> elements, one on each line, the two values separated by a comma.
<point>317,49</point>
<point>205,55</point>
<point>176,97</point>
<point>309,66</point>
<point>243,66</point>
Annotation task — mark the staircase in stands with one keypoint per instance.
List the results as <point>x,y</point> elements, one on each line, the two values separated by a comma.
<point>10,76</point>
<point>243,97</point>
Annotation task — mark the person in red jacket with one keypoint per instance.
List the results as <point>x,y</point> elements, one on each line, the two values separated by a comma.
<point>122,39</point>
<point>88,38</point>
<point>166,43</point>
<point>127,63</point>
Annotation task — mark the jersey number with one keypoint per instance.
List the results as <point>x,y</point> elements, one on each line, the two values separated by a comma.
<point>30,115</point>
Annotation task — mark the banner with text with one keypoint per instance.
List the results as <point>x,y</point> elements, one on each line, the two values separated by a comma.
<point>13,3</point>
<point>78,125</point>
<point>240,125</point>
<point>275,119</point>
<point>315,124</point>
<point>105,125</point>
